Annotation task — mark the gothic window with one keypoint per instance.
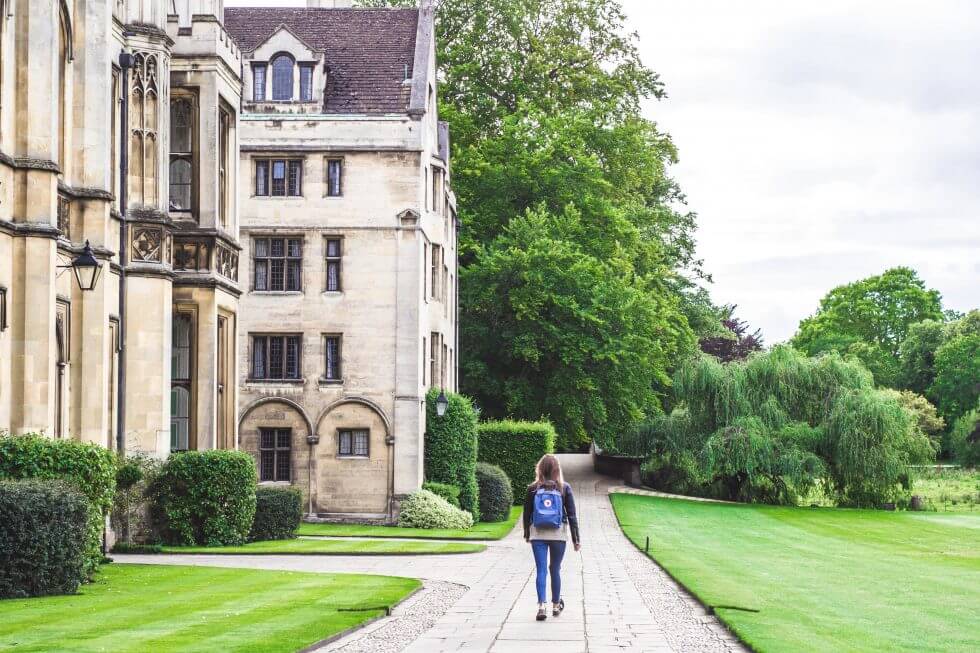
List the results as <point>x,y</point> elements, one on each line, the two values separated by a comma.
<point>282,77</point>
<point>182,177</point>
<point>181,379</point>
<point>143,130</point>
<point>224,136</point>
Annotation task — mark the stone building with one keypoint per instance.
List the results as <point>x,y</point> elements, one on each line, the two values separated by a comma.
<point>348,229</point>
<point>151,347</point>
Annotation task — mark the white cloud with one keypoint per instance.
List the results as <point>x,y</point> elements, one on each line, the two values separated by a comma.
<point>821,143</point>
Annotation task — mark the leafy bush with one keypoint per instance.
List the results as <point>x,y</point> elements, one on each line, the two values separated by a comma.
<point>278,511</point>
<point>450,448</point>
<point>423,509</point>
<point>965,438</point>
<point>496,493</point>
<point>516,447</point>
<point>770,428</point>
<point>130,515</point>
<point>205,498</point>
<point>89,468</point>
<point>43,528</point>
<point>448,492</point>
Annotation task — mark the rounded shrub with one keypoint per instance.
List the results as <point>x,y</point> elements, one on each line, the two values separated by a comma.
<point>89,468</point>
<point>448,492</point>
<point>450,448</point>
<point>204,498</point>
<point>278,511</point>
<point>516,447</point>
<point>43,530</point>
<point>496,493</point>
<point>423,509</point>
<point>965,439</point>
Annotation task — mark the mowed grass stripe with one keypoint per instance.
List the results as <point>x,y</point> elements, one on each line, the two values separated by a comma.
<point>822,579</point>
<point>172,608</point>
<point>479,531</point>
<point>334,547</point>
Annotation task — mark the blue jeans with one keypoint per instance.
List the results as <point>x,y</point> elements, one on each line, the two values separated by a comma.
<point>541,549</point>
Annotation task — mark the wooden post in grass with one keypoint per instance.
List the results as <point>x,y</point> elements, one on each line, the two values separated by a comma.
<point>646,549</point>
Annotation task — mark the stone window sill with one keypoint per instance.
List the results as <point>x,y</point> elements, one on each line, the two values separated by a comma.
<point>330,382</point>
<point>297,293</point>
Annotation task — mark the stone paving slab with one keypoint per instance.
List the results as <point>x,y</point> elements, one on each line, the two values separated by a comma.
<point>616,598</point>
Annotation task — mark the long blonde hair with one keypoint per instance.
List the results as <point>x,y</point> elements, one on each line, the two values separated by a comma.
<point>549,469</point>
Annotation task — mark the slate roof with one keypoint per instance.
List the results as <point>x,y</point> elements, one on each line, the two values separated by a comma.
<point>366,50</point>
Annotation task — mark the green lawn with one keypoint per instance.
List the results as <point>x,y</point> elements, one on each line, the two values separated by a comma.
<point>480,531</point>
<point>322,546</point>
<point>821,579</point>
<point>169,608</point>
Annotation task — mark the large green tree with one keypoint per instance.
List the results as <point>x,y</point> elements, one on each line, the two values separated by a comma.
<point>578,268</point>
<point>870,319</point>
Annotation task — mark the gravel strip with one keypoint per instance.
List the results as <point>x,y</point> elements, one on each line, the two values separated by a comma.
<point>406,623</point>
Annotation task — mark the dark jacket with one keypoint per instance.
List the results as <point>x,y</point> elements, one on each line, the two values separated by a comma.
<point>568,507</point>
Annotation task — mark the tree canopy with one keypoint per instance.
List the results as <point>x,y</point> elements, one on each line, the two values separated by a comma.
<point>870,319</point>
<point>578,272</point>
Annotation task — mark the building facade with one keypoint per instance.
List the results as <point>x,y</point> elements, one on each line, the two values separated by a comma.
<point>348,230</point>
<point>137,156</point>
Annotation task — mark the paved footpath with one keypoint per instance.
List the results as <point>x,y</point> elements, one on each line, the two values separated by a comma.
<point>616,598</point>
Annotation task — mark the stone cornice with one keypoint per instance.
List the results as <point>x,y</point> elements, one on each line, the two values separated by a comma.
<point>29,163</point>
<point>206,232</point>
<point>198,280</point>
<point>35,229</point>
<point>81,192</point>
<point>152,31</point>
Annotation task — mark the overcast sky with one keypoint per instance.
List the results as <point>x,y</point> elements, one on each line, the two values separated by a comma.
<point>820,142</point>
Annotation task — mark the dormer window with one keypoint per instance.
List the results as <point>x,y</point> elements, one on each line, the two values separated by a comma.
<point>306,82</point>
<point>282,77</point>
<point>258,82</point>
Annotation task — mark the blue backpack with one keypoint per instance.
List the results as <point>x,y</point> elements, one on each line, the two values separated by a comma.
<point>549,511</point>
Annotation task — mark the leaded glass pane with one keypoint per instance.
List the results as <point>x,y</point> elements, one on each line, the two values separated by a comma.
<point>258,358</point>
<point>277,276</point>
<point>282,78</point>
<point>306,83</point>
<point>295,177</point>
<point>261,177</point>
<point>279,178</point>
<point>275,358</point>
<point>258,82</point>
<point>268,466</point>
<point>293,279</point>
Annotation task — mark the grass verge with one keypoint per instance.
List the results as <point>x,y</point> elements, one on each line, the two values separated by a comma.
<point>333,547</point>
<point>164,608</point>
<point>480,531</point>
<point>820,579</point>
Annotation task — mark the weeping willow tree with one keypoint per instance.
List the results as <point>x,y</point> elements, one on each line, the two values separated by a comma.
<point>772,427</point>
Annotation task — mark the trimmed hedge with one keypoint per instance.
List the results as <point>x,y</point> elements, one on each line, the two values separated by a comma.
<point>205,498</point>
<point>448,492</point>
<point>496,494</point>
<point>43,526</point>
<point>516,447</point>
<point>278,511</point>
<point>89,468</point>
<point>450,448</point>
<point>423,509</point>
<point>142,549</point>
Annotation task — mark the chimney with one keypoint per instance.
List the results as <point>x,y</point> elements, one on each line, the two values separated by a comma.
<point>329,4</point>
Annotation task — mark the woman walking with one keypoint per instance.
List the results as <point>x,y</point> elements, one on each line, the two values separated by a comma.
<point>549,514</point>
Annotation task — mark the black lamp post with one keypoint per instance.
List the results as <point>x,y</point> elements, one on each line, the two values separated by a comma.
<point>86,268</point>
<point>442,403</point>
